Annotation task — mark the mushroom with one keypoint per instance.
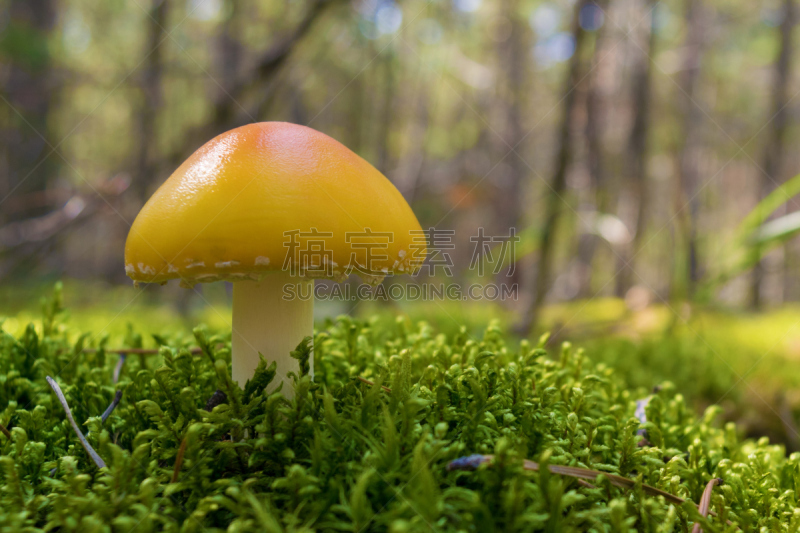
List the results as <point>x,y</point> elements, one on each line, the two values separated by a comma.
<point>271,207</point>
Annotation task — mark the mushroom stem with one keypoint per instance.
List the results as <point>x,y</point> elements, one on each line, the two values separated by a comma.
<point>268,320</point>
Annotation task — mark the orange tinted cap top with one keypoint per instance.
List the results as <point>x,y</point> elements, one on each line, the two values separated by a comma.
<point>273,196</point>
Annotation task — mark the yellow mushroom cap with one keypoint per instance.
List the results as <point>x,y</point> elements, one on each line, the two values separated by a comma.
<point>273,196</point>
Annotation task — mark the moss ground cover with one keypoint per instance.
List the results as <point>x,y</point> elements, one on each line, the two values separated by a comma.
<point>369,443</point>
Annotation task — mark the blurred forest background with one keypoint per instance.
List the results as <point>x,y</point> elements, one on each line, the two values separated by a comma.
<point>643,151</point>
<point>630,142</point>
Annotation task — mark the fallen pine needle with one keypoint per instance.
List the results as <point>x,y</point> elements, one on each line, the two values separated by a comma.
<point>705,502</point>
<point>136,351</point>
<point>5,431</point>
<point>368,382</point>
<point>143,351</point>
<point>118,368</point>
<point>179,461</point>
<point>112,406</point>
<point>86,446</point>
<point>472,462</point>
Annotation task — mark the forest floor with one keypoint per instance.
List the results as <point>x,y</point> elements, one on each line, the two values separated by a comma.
<point>747,363</point>
<point>405,425</point>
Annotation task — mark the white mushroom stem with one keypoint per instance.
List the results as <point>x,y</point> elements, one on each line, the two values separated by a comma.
<point>267,322</point>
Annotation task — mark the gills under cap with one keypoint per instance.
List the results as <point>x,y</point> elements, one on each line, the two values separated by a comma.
<point>273,196</point>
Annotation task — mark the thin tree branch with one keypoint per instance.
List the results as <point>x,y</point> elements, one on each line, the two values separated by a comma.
<point>224,107</point>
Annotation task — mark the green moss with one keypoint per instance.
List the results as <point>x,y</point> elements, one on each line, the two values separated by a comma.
<point>346,455</point>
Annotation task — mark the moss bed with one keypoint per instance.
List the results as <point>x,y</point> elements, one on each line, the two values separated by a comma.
<point>376,441</point>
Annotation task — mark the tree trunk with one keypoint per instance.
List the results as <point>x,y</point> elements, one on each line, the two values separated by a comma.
<point>29,92</point>
<point>152,99</point>
<point>635,166</point>
<point>509,200</point>
<point>386,115</point>
<point>230,52</point>
<point>775,146</point>
<point>595,154</point>
<point>555,198</point>
<point>691,150</point>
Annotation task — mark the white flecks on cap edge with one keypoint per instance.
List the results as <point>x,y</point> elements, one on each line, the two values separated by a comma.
<point>401,265</point>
